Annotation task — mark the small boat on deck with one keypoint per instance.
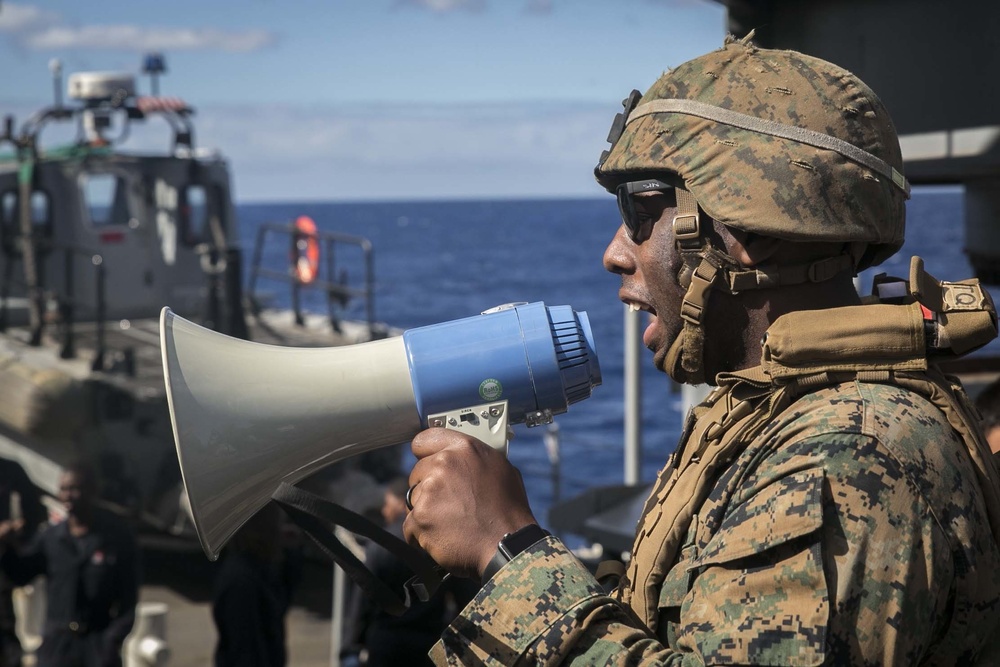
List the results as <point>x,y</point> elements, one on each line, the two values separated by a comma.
<point>94,241</point>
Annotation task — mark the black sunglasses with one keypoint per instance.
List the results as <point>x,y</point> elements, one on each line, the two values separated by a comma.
<point>626,205</point>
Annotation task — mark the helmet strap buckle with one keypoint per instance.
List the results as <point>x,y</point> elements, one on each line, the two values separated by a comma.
<point>686,225</point>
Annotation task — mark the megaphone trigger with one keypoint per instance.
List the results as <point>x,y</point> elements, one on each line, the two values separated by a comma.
<point>487,422</point>
<point>416,587</point>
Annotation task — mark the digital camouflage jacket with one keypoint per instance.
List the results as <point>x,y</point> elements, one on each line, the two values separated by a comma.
<point>852,528</point>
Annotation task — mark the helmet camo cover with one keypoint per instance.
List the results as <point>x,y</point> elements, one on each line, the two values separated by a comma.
<point>709,123</point>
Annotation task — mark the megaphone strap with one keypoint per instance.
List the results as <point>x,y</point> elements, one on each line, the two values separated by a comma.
<point>318,517</point>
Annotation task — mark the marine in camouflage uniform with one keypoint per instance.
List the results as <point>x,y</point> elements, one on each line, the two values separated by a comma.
<point>832,503</point>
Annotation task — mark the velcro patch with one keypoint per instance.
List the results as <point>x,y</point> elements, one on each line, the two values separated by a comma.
<point>959,296</point>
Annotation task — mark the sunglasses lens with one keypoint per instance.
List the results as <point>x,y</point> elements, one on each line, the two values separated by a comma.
<point>627,209</point>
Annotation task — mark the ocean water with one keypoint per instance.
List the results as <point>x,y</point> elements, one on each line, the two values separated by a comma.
<point>439,261</point>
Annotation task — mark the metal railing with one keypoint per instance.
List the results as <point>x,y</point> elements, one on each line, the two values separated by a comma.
<point>66,301</point>
<point>224,306</point>
<point>68,304</point>
<point>336,291</point>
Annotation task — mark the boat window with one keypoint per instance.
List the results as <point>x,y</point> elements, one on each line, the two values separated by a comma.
<point>194,214</point>
<point>39,208</point>
<point>105,199</point>
<point>8,208</point>
<point>199,210</point>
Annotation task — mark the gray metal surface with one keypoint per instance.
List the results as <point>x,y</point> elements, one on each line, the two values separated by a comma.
<point>932,63</point>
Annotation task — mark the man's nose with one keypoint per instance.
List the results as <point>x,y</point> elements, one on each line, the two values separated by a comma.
<point>618,256</point>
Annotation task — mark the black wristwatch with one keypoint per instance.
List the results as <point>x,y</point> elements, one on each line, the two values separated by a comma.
<point>511,545</point>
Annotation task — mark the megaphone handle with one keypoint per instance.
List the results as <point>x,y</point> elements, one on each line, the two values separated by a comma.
<point>489,422</point>
<point>318,518</point>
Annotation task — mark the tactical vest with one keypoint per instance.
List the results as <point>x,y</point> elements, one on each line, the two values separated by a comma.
<point>895,338</point>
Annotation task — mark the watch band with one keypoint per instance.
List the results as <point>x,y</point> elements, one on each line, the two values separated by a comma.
<point>513,544</point>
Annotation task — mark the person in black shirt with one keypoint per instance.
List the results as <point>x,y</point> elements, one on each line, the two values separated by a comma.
<point>91,566</point>
<point>28,510</point>
<point>253,591</point>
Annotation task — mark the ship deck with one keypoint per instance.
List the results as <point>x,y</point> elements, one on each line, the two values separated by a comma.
<point>132,357</point>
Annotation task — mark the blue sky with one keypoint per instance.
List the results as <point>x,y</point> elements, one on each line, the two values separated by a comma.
<point>375,99</point>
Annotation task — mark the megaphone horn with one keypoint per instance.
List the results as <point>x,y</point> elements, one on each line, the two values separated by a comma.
<point>247,417</point>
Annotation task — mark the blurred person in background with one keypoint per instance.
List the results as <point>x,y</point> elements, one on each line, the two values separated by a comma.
<point>404,640</point>
<point>988,404</point>
<point>253,591</point>
<point>20,501</point>
<point>91,566</point>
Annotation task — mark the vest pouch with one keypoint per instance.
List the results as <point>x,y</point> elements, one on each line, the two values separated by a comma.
<point>844,340</point>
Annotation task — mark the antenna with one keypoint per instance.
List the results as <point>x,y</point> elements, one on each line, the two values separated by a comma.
<point>55,66</point>
<point>154,64</point>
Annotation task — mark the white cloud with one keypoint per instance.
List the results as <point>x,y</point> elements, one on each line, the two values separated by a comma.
<point>41,30</point>
<point>475,6</point>
<point>421,135</point>
<point>16,18</point>
<point>444,6</point>
<point>138,38</point>
<point>506,150</point>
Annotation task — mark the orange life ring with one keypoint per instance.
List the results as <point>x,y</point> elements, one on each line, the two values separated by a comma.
<point>305,258</point>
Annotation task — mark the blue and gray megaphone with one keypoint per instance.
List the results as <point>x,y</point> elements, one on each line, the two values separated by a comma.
<point>248,417</point>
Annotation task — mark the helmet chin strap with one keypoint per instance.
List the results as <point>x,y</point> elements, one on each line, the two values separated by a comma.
<point>698,273</point>
<point>705,267</point>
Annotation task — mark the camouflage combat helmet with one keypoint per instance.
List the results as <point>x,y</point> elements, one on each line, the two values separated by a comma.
<point>771,142</point>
